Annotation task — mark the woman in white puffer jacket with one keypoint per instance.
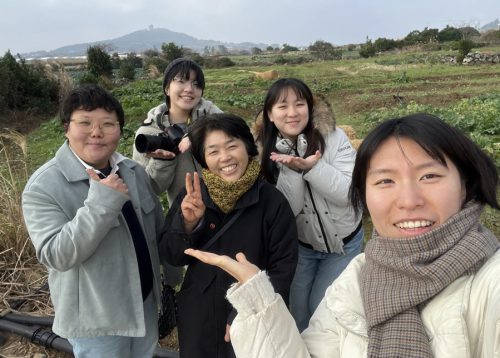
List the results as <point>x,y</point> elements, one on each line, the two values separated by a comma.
<point>427,284</point>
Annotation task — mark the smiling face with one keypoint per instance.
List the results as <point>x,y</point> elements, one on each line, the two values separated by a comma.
<point>408,192</point>
<point>184,93</point>
<point>94,148</point>
<point>225,156</point>
<point>289,114</point>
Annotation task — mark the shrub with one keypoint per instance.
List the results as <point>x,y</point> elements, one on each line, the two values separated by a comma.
<point>24,86</point>
<point>449,34</point>
<point>87,78</point>
<point>218,62</point>
<point>127,70</point>
<point>171,51</point>
<point>99,61</point>
<point>367,50</point>
<point>464,47</point>
<point>325,51</point>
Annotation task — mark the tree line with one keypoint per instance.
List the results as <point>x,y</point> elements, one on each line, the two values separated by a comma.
<point>26,86</point>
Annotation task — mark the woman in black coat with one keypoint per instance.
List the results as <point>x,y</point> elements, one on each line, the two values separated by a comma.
<point>254,216</point>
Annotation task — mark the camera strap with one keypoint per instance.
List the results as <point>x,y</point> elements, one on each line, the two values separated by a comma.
<point>223,229</point>
<point>159,121</point>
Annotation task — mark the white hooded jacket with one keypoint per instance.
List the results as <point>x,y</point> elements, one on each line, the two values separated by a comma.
<point>329,182</point>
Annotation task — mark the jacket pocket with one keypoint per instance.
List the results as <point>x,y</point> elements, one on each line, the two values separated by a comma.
<point>147,204</point>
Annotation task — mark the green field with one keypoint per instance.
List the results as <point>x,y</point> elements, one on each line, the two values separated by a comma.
<point>362,92</point>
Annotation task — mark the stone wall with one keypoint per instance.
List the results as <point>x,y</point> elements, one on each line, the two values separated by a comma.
<point>474,58</point>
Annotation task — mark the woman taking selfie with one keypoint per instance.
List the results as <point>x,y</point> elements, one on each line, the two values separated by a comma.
<point>427,284</point>
<point>226,211</point>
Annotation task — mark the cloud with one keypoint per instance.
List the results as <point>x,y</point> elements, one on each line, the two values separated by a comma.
<point>48,24</point>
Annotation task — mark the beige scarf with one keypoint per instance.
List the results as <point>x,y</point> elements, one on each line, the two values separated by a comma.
<point>226,194</point>
<point>402,274</point>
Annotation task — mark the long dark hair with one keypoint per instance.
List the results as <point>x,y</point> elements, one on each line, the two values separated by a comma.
<point>439,140</point>
<point>268,132</point>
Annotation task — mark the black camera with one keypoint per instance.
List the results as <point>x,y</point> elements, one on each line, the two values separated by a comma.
<point>167,140</point>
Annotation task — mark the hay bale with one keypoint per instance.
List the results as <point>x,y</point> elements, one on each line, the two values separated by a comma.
<point>267,75</point>
<point>356,143</point>
<point>349,131</point>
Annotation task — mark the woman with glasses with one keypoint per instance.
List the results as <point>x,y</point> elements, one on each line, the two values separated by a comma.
<point>94,221</point>
<point>183,86</point>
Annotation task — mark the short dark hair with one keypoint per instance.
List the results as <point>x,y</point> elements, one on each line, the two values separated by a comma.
<point>438,139</point>
<point>182,67</point>
<point>231,124</point>
<point>89,97</point>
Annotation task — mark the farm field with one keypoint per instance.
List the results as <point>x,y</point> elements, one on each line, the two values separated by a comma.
<point>362,92</point>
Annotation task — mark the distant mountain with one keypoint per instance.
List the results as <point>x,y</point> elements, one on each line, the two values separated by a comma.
<point>494,25</point>
<point>142,40</point>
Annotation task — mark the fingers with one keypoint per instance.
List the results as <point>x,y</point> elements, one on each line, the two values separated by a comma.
<point>241,258</point>
<point>93,175</point>
<point>196,185</point>
<point>241,269</point>
<point>115,182</point>
<point>193,187</point>
<point>184,145</point>
<point>227,336</point>
<point>282,158</point>
<point>161,154</point>
<point>204,256</point>
<point>189,184</point>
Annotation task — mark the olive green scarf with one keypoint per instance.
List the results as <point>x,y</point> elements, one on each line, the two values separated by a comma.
<point>225,194</point>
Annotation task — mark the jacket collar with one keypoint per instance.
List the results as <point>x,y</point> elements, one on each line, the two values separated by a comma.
<point>74,169</point>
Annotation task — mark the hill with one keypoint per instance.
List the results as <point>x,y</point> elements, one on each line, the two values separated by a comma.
<point>494,25</point>
<point>142,40</point>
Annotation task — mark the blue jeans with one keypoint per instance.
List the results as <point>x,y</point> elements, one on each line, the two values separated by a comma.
<point>315,272</point>
<point>120,346</point>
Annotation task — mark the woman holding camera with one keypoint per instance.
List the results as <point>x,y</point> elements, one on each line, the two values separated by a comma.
<point>227,210</point>
<point>183,85</point>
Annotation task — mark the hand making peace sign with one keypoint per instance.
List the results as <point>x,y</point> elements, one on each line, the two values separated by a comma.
<point>192,206</point>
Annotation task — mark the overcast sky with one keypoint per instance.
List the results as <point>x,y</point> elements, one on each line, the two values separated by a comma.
<point>32,25</point>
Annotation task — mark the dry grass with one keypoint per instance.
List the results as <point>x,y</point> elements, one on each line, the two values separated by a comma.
<point>13,176</point>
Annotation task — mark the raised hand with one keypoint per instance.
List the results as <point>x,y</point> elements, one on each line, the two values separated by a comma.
<point>192,206</point>
<point>296,163</point>
<point>113,181</point>
<point>241,269</point>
